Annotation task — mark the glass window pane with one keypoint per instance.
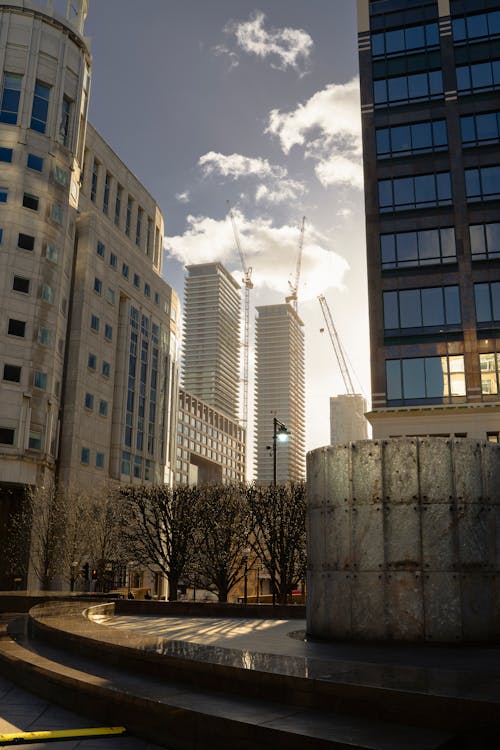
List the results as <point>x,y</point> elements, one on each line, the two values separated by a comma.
<point>379,92</point>
<point>472,185</point>
<point>476,25</point>
<point>487,128</point>
<point>418,86</point>
<point>383,145</point>
<point>414,37</point>
<point>378,47</point>
<point>439,134</point>
<point>490,180</point>
<point>458,26</point>
<point>401,138</point>
<point>463,78</point>
<point>397,89</point>
<point>495,67</point>
<point>425,189</point>
<point>393,374</point>
<point>467,125</point>
<point>391,317</point>
<point>428,245</point>
<point>413,378</point>
<point>495,299</point>
<point>387,248</point>
<point>421,135</point>
<point>435,82</point>
<point>432,307</point>
<point>410,311</point>
<point>494,22</point>
<point>406,244</point>
<point>477,240</point>
<point>432,34</point>
<point>443,186</point>
<point>448,247</point>
<point>394,41</point>
<point>483,303</point>
<point>452,305</point>
<point>481,75</point>
<point>489,381</point>
<point>436,377</point>
<point>404,193</point>
<point>457,376</point>
<point>493,238</point>
<point>385,193</point>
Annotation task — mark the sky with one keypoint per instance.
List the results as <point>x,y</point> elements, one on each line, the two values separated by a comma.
<point>255,104</point>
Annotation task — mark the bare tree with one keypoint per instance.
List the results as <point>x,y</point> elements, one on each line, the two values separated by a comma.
<point>223,536</point>
<point>79,533</point>
<point>279,519</point>
<point>108,545</point>
<point>159,527</point>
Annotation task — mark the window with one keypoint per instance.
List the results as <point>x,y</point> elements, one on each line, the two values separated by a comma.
<point>113,260</point>
<point>61,176</point>
<point>20,284</point>
<point>418,138</point>
<point>1,235</point>
<point>94,323</point>
<point>157,298</point>
<point>40,110</point>
<point>103,408</point>
<point>128,217</point>
<point>4,194</point>
<point>95,177</point>
<point>125,467</point>
<point>85,456</point>
<point>137,280</point>
<point>422,308</point>
<point>16,328</point>
<point>99,460</point>
<point>493,437</point>
<point>110,295</point>
<point>52,253</point>
<point>476,26</point>
<point>483,76</point>
<point>47,293</point>
<point>485,241</point>
<point>89,401</point>
<point>424,379</point>
<point>482,184</point>
<point>40,380</point>
<point>138,227</point>
<point>11,93</point>
<point>64,124</point>
<point>97,285</point>
<point>35,441</point>
<point>487,297</point>
<point>45,336</point>
<point>149,237</point>
<point>101,250</point>
<point>5,154</point>
<point>106,369</point>
<point>6,436</point>
<point>30,201</point>
<point>125,271</point>
<point>409,39</point>
<point>409,193</point>
<point>26,242</point>
<point>92,361</point>
<point>108,332</point>
<point>56,213</point>
<point>147,290</point>
<point>118,204</point>
<point>35,162</point>
<point>478,130</point>
<point>489,365</point>
<point>399,90</point>
<point>12,373</point>
<point>105,200</point>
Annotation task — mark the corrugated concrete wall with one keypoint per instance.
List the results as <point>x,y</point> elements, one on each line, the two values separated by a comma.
<point>404,540</point>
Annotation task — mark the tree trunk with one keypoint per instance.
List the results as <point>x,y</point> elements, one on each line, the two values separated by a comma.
<point>173,585</point>
<point>222,595</point>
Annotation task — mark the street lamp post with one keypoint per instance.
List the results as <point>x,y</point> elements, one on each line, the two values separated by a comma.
<point>280,435</point>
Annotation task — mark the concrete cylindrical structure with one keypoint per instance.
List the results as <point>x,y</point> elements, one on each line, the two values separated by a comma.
<point>404,540</point>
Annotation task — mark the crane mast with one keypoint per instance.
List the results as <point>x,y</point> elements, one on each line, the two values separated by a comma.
<point>248,284</point>
<point>294,288</point>
<point>337,346</point>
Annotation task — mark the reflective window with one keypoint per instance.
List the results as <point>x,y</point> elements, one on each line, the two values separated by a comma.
<point>4,194</point>
<point>91,361</point>
<point>108,331</point>
<point>99,460</point>
<point>85,456</point>
<point>34,162</point>
<point>105,200</point>
<point>480,129</point>
<point>408,193</point>
<point>113,260</point>
<point>484,76</point>
<point>40,380</point>
<point>422,308</point>
<point>52,253</point>
<point>106,369</point>
<point>40,110</point>
<point>476,26</point>
<point>6,154</point>
<point>409,88</point>
<point>97,285</point>
<point>422,379</point>
<point>487,298</point>
<point>485,241</point>
<point>95,177</point>
<point>94,322</point>
<point>409,39</point>
<point>125,271</point>
<point>490,373</point>
<point>118,204</point>
<point>11,93</point>
<point>101,250</point>
<point>64,123</point>
<point>89,401</point>
<point>482,184</point>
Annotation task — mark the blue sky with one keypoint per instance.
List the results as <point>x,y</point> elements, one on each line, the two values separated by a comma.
<point>209,101</point>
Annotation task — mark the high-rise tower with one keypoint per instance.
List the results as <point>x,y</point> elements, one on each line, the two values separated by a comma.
<point>430,103</point>
<point>279,392</point>
<point>211,348</point>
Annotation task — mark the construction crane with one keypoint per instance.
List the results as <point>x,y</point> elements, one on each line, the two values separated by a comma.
<point>294,288</point>
<point>337,346</point>
<point>248,284</point>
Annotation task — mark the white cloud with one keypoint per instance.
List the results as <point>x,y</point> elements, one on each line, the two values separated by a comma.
<point>286,47</point>
<point>221,50</point>
<point>276,186</point>
<point>328,126</point>
<point>183,197</point>
<point>271,252</point>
